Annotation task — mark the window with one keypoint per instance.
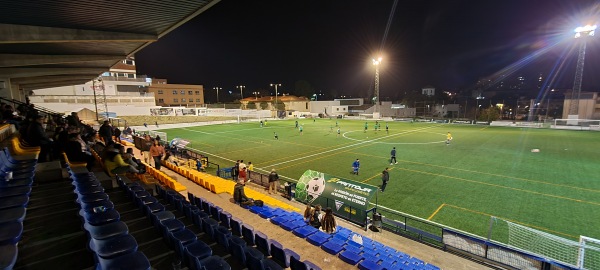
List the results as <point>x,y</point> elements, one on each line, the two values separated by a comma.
<point>175,100</point>
<point>198,100</point>
<point>337,109</point>
<point>197,92</point>
<point>129,62</point>
<point>183,100</point>
<point>183,92</point>
<point>174,92</point>
<point>160,92</point>
<point>130,75</point>
<point>160,100</point>
<point>190,92</point>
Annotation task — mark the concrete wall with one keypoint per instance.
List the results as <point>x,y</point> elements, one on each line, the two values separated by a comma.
<point>301,106</point>
<point>320,106</point>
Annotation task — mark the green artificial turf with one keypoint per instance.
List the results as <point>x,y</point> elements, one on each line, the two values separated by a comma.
<point>485,171</point>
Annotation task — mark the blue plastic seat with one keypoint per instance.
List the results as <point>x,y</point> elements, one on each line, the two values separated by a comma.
<point>8,256</point>
<point>332,247</point>
<point>281,255</point>
<point>10,232</point>
<point>189,209</point>
<point>213,263</point>
<point>225,218</point>
<point>253,258</point>
<point>351,257</point>
<point>237,248</point>
<point>318,238</point>
<point>182,238</point>
<point>14,201</point>
<point>170,225</point>
<point>107,230</point>
<point>160,216</point>
<point>100,218</point>
<point>281,219</point>
<point>297,264</point>
<point>191,198</point>
<point>215,211</point>
<point>248,234</point>
<point>16,183</point>
<point>262,243</point>
<point>222,236</point>
<point>107,204</point>
<point>255,209</point>
<point>198,217</point>
<point>114,247</point>
<point>305,231</point>
<point>89,189</point>
<point>290,226</point>
<point>95,197</point>
<point>236,226</point>
<point>195,252</point>
<point>132,261</point>
<point>12,214</point>
<point>352,248</point>
<point>209,226</point>
<point>311,266</point>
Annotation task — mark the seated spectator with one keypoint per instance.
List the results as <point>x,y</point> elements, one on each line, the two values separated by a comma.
<point>36,136</point>
<point>76,152</point>
<point>308,212</point>
<point>315,217</point>
<point>115,164</point>
<point>239,196</point>
<point>328,222</point>
<point>117,134</point>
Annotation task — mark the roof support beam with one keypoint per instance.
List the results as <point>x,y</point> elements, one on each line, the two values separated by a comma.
<point>21,60</point>
<point>14,34</point>
<point>36,72</point>
<point>55,78</point>
<point>33,86</point>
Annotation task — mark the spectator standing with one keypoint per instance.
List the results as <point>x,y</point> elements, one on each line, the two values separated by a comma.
<point>250,167</point>
<point>157,152</point>
<point>328,223</point>
<point>117,133</point>
<point>243,177</point>
<point>273,180</point>
<point>385,178</point>
<point>235,171</point>
<point>106,133</point>
<point>36,136</point>
<point>146,144</point>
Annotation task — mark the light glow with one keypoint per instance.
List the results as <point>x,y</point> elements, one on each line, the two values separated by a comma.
<point>377,62</point>
<point>588,30</point>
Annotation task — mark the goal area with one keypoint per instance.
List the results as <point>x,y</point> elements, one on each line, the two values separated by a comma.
<point>577,124</point>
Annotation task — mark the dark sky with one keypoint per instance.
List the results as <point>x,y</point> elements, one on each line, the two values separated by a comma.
<point>449,44</point>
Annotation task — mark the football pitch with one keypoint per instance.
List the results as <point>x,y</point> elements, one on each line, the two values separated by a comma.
<point>485,171</point>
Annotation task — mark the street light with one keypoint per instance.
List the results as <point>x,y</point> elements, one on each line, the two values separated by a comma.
<point>241,87</point>
<point>275,84</point>
<point>376,98</point>
<point>255,94</point>
<point>217,88</point>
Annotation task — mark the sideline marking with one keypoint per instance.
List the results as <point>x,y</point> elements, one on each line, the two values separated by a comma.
<point>436,211</point>
<point>511,188</point>
<point>347,146</point>
<point>379,174</point>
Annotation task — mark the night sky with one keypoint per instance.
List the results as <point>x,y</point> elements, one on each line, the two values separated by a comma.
<point>329,44</point>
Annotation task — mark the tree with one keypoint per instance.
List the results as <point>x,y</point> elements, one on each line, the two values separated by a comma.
<point>280,106</point>
<point>264,105</point>
<point>251,106</point>
<point>489,114</point>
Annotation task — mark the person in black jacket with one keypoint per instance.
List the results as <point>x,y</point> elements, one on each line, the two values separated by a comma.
<point>36,136</point>
<point>76,151</point>
<point>106,132</point>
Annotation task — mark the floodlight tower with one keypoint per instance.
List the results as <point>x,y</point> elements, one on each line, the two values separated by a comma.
<point>241,87</point>
<point>582,32</point>
<point>376,63</point>
<point>275,84</point>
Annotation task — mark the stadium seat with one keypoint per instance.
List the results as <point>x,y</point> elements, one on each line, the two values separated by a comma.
<point>318,238</point>
<point>253,258</point>
<point>222,236</point>
<point>237,248</point>
<point>114,246</point>
<point>305,231</point>
<point>262,243</point>
<point>209,226</point>
<point>213,263</point>
<point>101,218</point>
<point>248,234</point>
<point>290,226</point>
<point>10,232</point>
<point>15,191</point>
<point>132,261</point>
<point>12,214</point>
<point>350,257</point>
<point>332,247</point>
<point>196,251</point>
<point>106,231</point>
<point>296,264</point>
<point>160,216</point>
<point>8,256</point>
<point>281,255</point>
<point>197,218</point>
<point>225,217</point>
<point>281,219</point>
<point>182,238</point>
<point>14,201</point>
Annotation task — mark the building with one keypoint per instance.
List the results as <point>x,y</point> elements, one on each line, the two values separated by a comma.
<point>428,91</point>
<point>589,105</point>
<point>170,95</point>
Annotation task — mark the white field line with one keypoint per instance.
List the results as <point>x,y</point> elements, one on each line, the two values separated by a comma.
<point>347,146</point>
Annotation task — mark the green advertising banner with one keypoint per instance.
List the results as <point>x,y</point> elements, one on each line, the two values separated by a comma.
<point>347,198</point>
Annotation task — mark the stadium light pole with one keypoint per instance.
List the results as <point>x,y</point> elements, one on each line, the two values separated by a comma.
<point>275,84</point>
<point>255,94</point>
<point>217,88</point>
<point>376,63</point>
<point>582,32</point>
<point>241,87</point>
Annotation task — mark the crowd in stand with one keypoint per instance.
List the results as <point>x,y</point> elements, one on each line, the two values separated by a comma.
<point>314,217</point>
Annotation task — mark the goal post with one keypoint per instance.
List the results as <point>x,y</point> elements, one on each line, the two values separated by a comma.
<point>589,253</point>
<point>577,124</point>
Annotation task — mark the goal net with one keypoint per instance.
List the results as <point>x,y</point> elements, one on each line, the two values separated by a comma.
<point>583,254</point>
<point>577,124</point>
<point>589,254</point>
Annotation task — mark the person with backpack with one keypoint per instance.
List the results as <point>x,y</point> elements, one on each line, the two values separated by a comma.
<point>315,219</point>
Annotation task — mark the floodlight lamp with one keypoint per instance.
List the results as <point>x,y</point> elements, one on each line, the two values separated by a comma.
<point>588,30</point>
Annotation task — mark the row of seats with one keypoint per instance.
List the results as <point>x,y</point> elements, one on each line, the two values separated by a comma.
<point>219,185</point>
<point>16,179</point>
<point>193,252</point>
<point>164,179</point>
<point>6,130</point>
<point>109,238</point>
<point>352,248</point>
<point>253,248</point>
